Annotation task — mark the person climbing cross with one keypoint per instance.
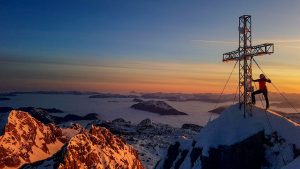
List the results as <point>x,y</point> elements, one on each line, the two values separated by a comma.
<point>262,89</point>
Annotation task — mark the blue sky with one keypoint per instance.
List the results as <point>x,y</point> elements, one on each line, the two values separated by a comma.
<point>107,32</point>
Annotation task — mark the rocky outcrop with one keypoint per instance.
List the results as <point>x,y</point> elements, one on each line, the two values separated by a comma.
<point>193,127</point>
<point>137,100</point>
<point>26,140</point>
<point>100,149</point>
<point>158,107</point>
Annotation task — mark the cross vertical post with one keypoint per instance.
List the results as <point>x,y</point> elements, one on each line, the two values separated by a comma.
<point>244,55</point>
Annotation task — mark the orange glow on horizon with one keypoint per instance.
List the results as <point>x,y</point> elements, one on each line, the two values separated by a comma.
<point>146,76</point>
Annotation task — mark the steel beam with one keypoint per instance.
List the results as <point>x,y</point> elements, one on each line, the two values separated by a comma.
<point>263,49</point>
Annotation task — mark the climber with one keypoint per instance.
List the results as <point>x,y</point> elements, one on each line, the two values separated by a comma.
<point>262,89</point>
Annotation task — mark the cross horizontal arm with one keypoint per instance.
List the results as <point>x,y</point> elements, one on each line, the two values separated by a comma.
<point>231,56</point>
<point>266,48</point>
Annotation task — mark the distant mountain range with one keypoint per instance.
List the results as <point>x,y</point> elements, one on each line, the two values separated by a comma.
<point>276,100</point>
<point>45,115</point>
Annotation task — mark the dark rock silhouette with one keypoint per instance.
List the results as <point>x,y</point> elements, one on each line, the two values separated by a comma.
<point>193,127</point>
<point>137,100</point>
<point>158,107</point>
<point>218,110</point>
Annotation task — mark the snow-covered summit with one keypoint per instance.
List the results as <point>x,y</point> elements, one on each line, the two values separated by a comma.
<point>266,131</point>
<point>231,127</point>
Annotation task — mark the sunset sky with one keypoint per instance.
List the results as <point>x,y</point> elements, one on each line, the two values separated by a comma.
<point>141,45</point>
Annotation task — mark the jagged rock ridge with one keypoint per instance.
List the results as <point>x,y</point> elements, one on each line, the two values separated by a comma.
<point>28,143</point>
<point>26,140</point>
<point>98,148</point>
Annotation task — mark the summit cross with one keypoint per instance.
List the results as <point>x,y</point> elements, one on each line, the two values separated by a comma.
<point>244,55</point>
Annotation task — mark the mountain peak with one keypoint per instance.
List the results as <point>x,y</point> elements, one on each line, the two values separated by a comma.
<point>26,140</point>
<point>99,148</point>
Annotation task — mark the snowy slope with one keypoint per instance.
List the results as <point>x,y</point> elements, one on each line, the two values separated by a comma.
<point>232,128</point>
<point>293,165</point>
<point>27,140</point>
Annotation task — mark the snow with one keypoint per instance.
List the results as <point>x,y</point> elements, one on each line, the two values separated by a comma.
<point>231,127</point>
<point>293,165</point>
<point>282,135</point>
<point>278,155</point>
